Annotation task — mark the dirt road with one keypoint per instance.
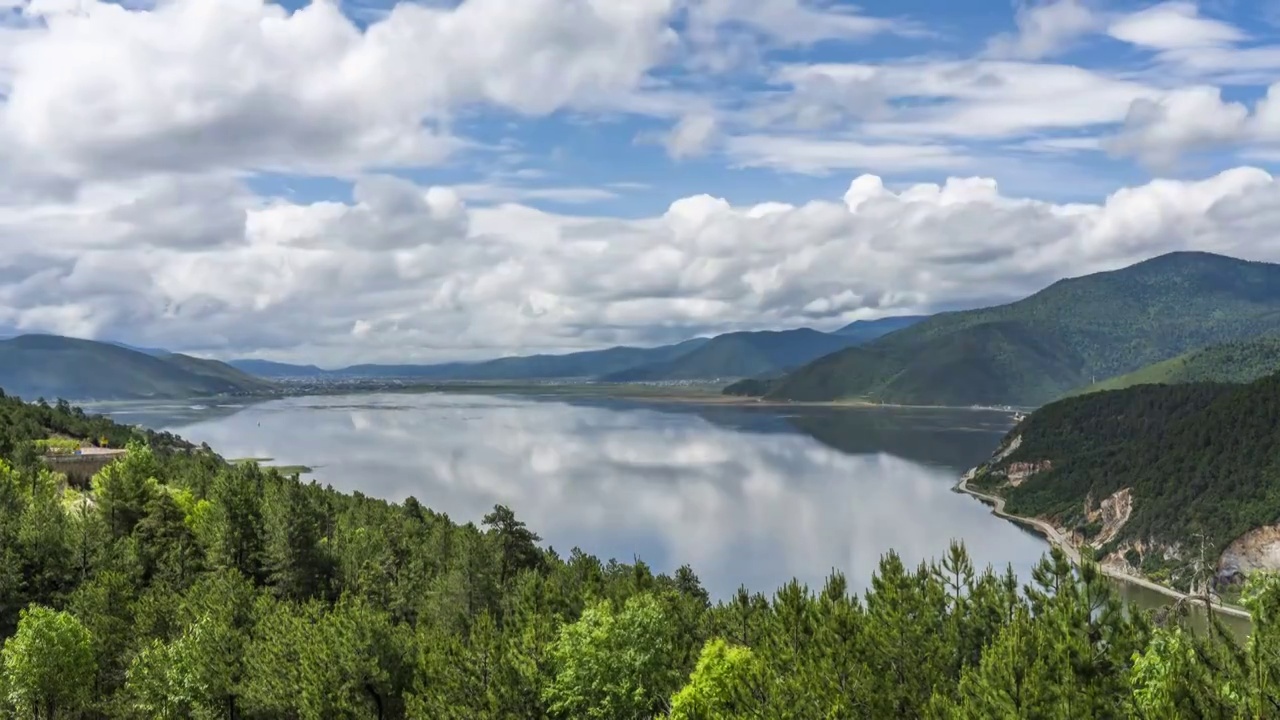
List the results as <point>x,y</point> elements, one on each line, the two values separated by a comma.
<point>1057,538</point>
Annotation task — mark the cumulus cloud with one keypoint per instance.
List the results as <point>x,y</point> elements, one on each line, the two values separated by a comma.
<point>101,90</point>
<point>414,274</point>
<point>131,138</point>
<point>1159,131</point>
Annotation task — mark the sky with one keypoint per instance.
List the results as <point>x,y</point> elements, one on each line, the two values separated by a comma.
<point>369,181</point>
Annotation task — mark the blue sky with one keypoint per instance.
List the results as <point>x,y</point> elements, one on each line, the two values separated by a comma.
<point>436,181</point>
<point>616,154</point>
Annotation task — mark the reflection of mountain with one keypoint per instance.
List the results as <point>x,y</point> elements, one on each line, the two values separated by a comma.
<point>952,438</point>
<point>738,493</point>
<point>956,441</point>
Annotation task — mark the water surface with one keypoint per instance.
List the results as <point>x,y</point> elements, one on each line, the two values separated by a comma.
<point>745,495</point>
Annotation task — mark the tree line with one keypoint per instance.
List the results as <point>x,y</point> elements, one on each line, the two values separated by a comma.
<point>177,585</point>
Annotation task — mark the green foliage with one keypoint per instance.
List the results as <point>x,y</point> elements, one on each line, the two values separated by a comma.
<point>720,686</point>
<point>613,665</point>
<point>57,446</point>
<point>1235,362</point>
<point>743,354</point>
<point>1202,462</point>
<point>48,663</point>
<point>1037,349</point>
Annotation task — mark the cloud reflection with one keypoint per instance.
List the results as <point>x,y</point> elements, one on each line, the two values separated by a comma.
<point>622,480</point>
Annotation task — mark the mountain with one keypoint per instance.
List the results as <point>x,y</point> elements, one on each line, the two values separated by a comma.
<point>868,330</point>
<point>1037,349</point>
<point>589,364</point>
<point>741,354</point>
<point>1147,473</point>
<point>50,366</point>
<point>1236,362</point>
<point>158,352</point>
<point>270,369</point>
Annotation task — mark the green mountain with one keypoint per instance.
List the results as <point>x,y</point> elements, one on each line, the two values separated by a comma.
<point>589,364</point>
<point>1235,362</point>
<point>1038,349</point>
<point>1147,472</point>
<point>270,369</point>
<point>868,330</point>
<point>741,354</point>
<point>50,366</point>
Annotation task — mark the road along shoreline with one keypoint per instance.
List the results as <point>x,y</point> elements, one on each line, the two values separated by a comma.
<point>1055,537</point>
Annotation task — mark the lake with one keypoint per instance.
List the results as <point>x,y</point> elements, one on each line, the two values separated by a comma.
<point>744,494</point>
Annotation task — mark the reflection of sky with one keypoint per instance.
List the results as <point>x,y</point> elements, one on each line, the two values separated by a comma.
<point>625,481</point>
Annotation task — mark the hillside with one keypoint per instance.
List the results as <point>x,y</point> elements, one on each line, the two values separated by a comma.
<point>589,364</point>
<point>270,369</point>
<point>49,366</point>
<point>1040,348</point>
<point>741,354</point>
<point>868,330</point>
<point>1144,473</point>
<point>1236,362</point>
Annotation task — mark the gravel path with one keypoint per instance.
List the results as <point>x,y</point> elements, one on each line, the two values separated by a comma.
<point>1057,538</point>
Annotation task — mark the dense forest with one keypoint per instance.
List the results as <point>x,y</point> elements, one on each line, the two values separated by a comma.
<point>176,585</point>
<point>1202,461</point>
<point>1234,362</point>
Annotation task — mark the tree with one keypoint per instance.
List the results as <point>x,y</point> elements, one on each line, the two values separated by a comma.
<point>518,545</point>
<point>721,685</point>
<point>48,663</point>
<point>614,665</point>
<point>123,488</point>
<point>235,521</point>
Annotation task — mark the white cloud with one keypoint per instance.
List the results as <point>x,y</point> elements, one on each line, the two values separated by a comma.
<point>795,22</point>
<point>818,156</point>
<point>1158,132</point>
<point>957,99</point>
<point>130,140</point>
<point>1044,29</point>
<point>1173,26</point>
<point>418,276</point>
<point>245,84</point>
<point>691,136</point>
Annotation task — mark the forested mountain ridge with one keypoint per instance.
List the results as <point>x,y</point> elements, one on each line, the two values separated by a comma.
<point>51,366</point>
<point>1037,349</point>
<point>1235,362</point>
<point>1152,475</point>
<point>742,354</point>
<point>180,586</point>
<point>730,355</point>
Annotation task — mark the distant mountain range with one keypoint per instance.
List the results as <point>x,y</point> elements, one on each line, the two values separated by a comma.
<point>49,366</point>
<point>1059,339</point>
<point>732,355</point>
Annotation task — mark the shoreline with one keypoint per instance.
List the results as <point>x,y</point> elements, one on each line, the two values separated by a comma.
<point>1055,538</point>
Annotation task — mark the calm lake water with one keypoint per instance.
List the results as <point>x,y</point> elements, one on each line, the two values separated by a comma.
<point>745,495</point>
